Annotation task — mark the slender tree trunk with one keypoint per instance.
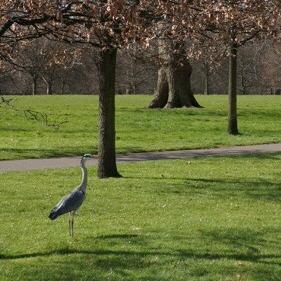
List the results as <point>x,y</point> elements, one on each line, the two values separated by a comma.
<point>107,157</point>
<point>34,85</point>
<point>49,88</point>
<point>243,84</point>
<point>232,91</point>
<point>63,84</point>
<point>206,83</point>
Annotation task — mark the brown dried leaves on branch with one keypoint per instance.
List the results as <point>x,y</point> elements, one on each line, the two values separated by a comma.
<point>117,23</point>
<point>210,26</point>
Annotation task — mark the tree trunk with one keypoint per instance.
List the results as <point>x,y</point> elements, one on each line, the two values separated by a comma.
<point>106,151</point>
<point>232,91</point>
<point>174,88</point>
<point>162,90</point>
<point>206,83</point>
<point>34,85</point>
<point>173,85</point>
<point>49,88</point>
<point>63,84</point>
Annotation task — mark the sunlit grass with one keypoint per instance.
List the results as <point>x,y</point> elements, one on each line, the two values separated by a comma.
<point>138,128</point>
<point>204,219</point>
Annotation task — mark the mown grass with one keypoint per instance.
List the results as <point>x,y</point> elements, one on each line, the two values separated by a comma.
<point>200,219</point>
<point>138,128</point>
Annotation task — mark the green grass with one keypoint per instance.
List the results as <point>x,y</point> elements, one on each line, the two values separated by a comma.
<point>200,219</point>
<point>138,128</point>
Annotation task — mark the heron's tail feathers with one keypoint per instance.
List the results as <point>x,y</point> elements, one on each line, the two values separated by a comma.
<point>53,215</point>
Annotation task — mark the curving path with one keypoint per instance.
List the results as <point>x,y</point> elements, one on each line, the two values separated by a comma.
<point>65,162</point>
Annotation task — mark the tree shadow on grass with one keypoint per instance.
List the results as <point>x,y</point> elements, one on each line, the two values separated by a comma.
<point>262,114</point>
<point>254,188</point>
<point>67,151</point>
<point>39,152</point>
<point>241,245</point>
<point>16,129</point>
<point>258,188</point>
<point>182,254</point>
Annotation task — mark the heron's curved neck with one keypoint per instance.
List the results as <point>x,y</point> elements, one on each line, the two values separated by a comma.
<point>84,176</point>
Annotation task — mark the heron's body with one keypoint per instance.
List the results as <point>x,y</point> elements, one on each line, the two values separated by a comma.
<point>68,203</point>
<point>72,202</point>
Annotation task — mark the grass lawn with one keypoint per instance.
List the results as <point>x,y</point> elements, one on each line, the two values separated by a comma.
<point>138,128</point>
<point>200,219</point>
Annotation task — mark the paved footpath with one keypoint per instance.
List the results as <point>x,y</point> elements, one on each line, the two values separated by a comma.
<point>65,162</point>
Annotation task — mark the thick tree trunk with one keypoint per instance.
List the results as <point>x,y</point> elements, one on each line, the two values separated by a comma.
<point>173,85</point>
<point>107,157</point>
<point>232,91</point>
<point>162,90</point>
<point>174,88</point>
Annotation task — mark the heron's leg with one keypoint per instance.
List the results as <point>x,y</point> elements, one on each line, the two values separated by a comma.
<point>72,223</point>
<point>69,223</point>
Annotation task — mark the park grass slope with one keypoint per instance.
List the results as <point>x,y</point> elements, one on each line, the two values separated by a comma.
<point>137,127</point>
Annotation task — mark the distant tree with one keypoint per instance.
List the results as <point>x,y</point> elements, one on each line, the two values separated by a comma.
<point>44,60</point>
<point>223,25</point>
<point>173,85</point>
<point>136,70</point>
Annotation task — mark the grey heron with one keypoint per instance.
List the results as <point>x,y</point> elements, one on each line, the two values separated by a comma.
<point>71,202</point>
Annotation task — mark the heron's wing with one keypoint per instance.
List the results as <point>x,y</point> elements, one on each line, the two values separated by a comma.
<point>70,202</point>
